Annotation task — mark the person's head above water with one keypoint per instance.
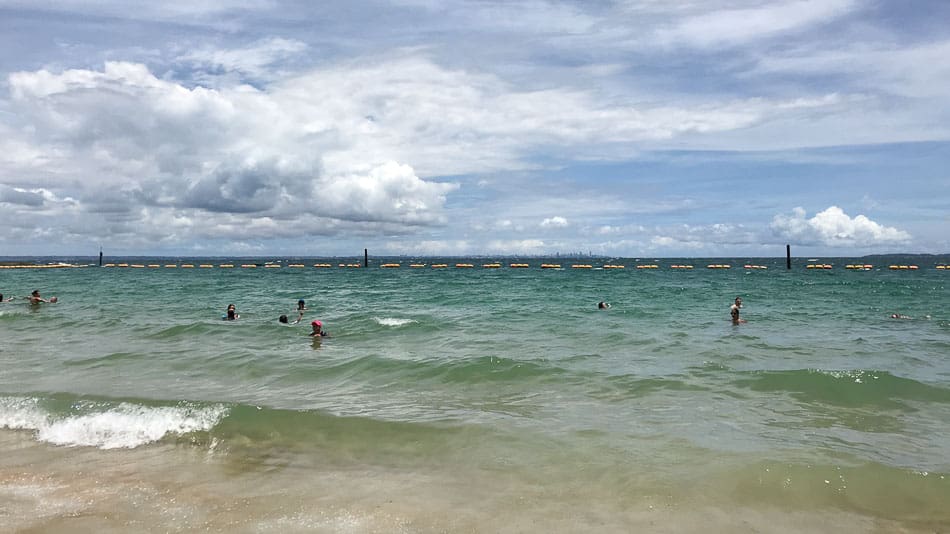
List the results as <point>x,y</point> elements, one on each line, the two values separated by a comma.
<point>602,305</point>
<point>301,304</point>
<point>282,319</point>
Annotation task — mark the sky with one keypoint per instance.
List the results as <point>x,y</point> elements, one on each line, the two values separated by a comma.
<point>658,128</point>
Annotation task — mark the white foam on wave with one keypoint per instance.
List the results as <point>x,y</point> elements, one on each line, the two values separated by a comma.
<point>115,427</point>
<point>392,321</point>
<point>21,414</point>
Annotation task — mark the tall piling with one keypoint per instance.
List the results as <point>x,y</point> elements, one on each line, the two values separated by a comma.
<point>788,257</point>
<point>365,257</point>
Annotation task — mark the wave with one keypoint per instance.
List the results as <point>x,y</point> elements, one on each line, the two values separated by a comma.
<point>393,321</point>
<point>114,424</point>
<point>185,331</point>
<point>471,371</point>
<point>105,424</point>
<point>844,388</point>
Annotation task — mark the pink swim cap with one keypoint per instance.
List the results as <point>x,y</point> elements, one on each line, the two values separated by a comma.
<point>316,323</point>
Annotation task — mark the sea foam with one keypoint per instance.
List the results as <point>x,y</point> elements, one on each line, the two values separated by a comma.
<point>109,426</point>
<point>392,321</point>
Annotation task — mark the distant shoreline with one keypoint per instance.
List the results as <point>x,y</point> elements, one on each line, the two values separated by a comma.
<point>34,260</point>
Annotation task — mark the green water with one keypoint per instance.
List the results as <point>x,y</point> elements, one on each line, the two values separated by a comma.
<point>504,382</point>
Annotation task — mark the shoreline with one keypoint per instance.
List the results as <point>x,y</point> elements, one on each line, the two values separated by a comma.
<point>167,487</point>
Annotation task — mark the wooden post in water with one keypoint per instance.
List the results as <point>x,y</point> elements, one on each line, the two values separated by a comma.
<point>788,257</point>
<point>100,257</point>
<point>365,257</point>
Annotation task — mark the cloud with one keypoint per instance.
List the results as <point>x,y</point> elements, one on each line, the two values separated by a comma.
<point>22,197</point>
<point>129,147</point>
<point>554,222</point>
<point>178,11</point>
<point>735,26</point>
<point>833,227</point>
<point>910,71</point>
<point>255,59</point>
<point>373,193</point>
<point>347,145</point>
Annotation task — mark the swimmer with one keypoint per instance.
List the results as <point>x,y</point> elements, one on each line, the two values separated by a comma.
<point>35,297</point>
<point>734,311</point>
<point>301,307</point>
<point>318,330</point>
<point>7,300</point>
<point>232,313</point>
<point>900,316</point>
<point>602,305</point>
<point>282,319</point>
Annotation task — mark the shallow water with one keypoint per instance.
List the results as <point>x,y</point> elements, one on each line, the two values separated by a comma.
<point>488,400</point>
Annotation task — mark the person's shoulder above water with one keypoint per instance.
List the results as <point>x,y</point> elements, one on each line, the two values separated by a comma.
<point>603,305</point>
<point>318,329</point>
<point>35,298</point>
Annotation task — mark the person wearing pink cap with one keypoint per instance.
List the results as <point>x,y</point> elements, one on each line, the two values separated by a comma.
<point>318,329</point>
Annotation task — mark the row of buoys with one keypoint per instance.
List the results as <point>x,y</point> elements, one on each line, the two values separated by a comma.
<point>49,266</point>
<point>681,266</point>
<point>651,266</point>
<point>718,266</point>
<point>818,266</point>
<point>902,267</point>
<point>755,267</point>
<point>859,267</point>
<point>225,265</point>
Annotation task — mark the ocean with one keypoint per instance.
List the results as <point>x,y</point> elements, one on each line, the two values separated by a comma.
<point>497,400</point>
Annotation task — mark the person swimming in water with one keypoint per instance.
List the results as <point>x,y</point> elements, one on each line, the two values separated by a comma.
<point>35,298</point>
<point>231,314</point>
<point>734,311</point>
<point>602,305</point>
<point>301,307</point>
<point>318,330</point>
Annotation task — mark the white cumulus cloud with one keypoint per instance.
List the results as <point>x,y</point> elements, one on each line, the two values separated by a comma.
<point>554,222</point>
<point>833,227</point>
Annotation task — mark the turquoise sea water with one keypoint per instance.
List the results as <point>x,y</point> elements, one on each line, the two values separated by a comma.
<point>485,400</point>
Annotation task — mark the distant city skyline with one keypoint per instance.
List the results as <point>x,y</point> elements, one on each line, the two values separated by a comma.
<point>628,128</point>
